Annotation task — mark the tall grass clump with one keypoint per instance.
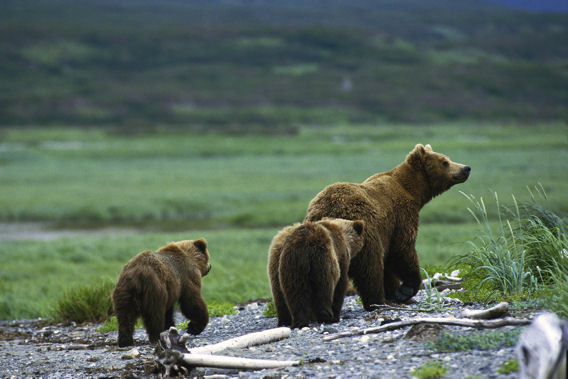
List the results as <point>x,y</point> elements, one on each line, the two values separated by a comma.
<point>520,253</point>
<point>88,303</point>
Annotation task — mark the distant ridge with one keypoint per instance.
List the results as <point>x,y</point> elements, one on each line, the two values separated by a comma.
<point>535,5</point>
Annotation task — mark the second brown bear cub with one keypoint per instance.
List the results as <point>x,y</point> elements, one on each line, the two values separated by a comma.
<point>308,268</point>
<point>152,283</point>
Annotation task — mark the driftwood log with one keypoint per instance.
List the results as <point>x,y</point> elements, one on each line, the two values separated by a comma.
<point>480,324</point>
<point>497,311</point>
<point>177,359</point>
<point>251,339</point>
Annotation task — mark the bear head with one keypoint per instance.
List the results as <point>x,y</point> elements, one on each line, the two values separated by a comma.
<point>352,230</point>
<point>439,171</point>
<point>195,250</point>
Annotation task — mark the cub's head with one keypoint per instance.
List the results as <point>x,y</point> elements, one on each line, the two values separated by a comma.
<point>440,172</point>
<point>195,250</point>
<point>352,230</point>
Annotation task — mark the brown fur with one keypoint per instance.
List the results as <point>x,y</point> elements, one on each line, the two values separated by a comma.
<point>308,269</point>
<point>387,266</point>
<point>151,283</point>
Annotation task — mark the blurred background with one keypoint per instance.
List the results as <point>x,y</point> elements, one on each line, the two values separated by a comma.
<point>124,125</point>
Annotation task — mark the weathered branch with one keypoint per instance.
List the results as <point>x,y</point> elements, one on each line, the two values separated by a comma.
<point>176,358</point>
<point>481,324</point>
<point>499,310</point>
<point>251,339</point>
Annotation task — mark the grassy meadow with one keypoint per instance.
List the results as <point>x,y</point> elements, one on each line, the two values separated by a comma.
<point>236,190</point>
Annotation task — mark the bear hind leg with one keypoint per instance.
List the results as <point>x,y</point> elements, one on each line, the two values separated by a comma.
<point>154,322</point>
<point>127,312</point>
<point>284,316</point>
<point>126,321</point>
<point>323,301</point>
<point>367,277</point>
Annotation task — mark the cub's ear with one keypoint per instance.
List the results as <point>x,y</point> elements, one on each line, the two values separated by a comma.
<point>358,226</point>
<point>419,149</point>
<point>428,148</point>
<point>201,244</point>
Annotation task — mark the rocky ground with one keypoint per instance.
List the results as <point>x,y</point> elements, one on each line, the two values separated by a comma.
<point>40,348</point>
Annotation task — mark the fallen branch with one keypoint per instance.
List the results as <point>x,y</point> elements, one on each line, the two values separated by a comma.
<point>497,311</point>
<point>480,324</point>
<point>220,361</point>
<point>386,307</point>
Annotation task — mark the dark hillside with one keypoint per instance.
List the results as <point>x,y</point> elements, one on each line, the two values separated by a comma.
<point>139,63</point>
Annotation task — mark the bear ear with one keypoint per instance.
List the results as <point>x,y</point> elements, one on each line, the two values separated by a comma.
<point>201,244</point>
<point>428,148</point>
<point>358,226</point>
<point>415,156</point>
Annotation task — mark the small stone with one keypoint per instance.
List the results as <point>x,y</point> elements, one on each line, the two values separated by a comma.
<point>131,354</point>
<point>252,306</point>
<point>329,329</point>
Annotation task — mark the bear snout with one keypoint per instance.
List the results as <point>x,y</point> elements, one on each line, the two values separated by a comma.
<point>462,174</point>
<point>208,269</point>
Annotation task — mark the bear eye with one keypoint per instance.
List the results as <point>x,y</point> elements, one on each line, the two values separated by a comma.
<point>445,163</point>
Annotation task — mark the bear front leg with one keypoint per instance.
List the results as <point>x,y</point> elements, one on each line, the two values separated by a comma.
<point>195,310</point>
<point>405,265</point>
<point>154,321</point>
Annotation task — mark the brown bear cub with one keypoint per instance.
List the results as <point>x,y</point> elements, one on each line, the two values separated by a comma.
<point>387,266</point>
<point>151,284</point>
<point>308,269</point>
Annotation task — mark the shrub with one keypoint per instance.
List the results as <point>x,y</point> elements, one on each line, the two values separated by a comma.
<point>430,370</point>
<point>557,293</point>
<point>85,303</point>
<point>500,255</point>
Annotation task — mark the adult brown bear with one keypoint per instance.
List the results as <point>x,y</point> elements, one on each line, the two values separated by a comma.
<point>387,266</point>
<point>152,283</point>
<point>308,269</point>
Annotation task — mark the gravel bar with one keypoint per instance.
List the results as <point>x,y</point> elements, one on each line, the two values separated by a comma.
<point>39,348</point>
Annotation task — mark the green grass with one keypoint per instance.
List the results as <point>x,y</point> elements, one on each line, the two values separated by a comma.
<point>520,256</point>
<point>509,366</point>
<point>86,303</point>
<point>215,308</point>
<point>430,370</point>
<point>238,274</point>
<point>234,190</point>
<point>475,341</point>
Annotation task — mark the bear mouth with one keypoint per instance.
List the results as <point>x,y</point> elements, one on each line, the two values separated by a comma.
<point>461,177</point>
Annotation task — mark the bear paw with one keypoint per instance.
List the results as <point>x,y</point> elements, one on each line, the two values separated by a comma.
<point>326,316</point>
<point>125,341</point>
<point>192,328</point>
<point>403,293</point>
